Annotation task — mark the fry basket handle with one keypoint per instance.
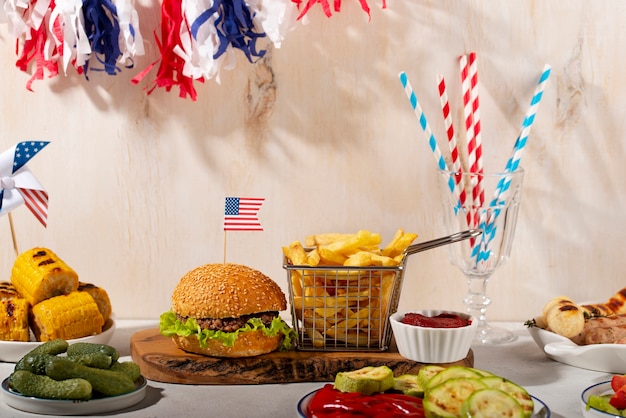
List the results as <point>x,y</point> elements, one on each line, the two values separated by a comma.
<point>427,245</point>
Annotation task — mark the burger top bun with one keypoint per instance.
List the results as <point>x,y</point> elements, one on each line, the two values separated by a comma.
<point>226,291</point>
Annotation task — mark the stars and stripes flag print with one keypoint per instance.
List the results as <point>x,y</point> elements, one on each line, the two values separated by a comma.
<point>241,214</point>
<point>18,185</point>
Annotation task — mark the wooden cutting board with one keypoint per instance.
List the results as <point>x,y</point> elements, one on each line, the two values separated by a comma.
<point>162,361</point>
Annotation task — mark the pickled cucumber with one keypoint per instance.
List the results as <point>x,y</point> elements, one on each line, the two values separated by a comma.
<point>129,368</point>
<point>37,355</point>
<point>96,359</point>
<point>367,380</point>
<point>107,382</point>
<point>34,363</point>
<point>42,386</point>
<point>490,402</point>
<point>53,347</point>
<point>78,349</point>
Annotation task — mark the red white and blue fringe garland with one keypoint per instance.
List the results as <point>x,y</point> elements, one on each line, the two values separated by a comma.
<point>199,38</point>
<point>89,35</point>
<point>196,40</point>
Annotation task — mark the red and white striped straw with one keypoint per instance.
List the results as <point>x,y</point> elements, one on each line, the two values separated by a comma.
<point>447,118</point>
<point>469,124</point>
<point>479,192</point>
<point>452,144</point>
<point>467,104</point>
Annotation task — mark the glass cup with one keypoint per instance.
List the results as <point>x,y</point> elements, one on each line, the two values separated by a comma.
<point>489,202</point>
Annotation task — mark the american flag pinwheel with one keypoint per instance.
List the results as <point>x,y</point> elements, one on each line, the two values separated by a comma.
<point>18,184</point>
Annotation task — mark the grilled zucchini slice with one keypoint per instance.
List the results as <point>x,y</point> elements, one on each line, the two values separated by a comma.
<point>490,402</point>
<point>367,380</point>
<point>445,399</point>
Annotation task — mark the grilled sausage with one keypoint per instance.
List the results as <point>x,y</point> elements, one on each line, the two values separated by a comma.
<point>605,335</point>
<point>604,322</point>
<point>597,310</point>
<point>618,302</point>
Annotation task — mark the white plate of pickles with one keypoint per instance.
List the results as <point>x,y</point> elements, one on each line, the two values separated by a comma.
<point>12,351</point>
<point>59,378</point>
<point>72,407</point>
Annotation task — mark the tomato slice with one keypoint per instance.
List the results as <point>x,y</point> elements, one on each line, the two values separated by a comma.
<point>618,400</point>
<point>618,381</point>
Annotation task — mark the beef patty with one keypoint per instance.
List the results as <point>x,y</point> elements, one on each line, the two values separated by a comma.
<point>231,324</point>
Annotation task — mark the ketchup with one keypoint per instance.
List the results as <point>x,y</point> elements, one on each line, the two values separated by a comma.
<point>443,320</point>
<point>329,402</point>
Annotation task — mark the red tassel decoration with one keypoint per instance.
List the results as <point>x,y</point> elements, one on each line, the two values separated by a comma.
<point>34,49</point>
<point>170,70</point>
<point>326,6</point>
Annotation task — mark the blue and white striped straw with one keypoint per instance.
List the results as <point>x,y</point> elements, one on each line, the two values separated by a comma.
<point>489,228</point>
<point>520,143</point>
<point>432,143</point>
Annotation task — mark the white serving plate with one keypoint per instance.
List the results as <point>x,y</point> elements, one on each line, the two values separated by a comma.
<point>541,410</point>
<point>610,358</point>
<point>597,389</point>
<point>12,351</point>
<point>58,407</point>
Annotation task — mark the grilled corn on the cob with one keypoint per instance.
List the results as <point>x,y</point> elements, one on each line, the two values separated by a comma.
<point>100,296</point>
<point>8,291</point>
<point>13,315</point>
<point>67,316</point>
<point>39,274</point>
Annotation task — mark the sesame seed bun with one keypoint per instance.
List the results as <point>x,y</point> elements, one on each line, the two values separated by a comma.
<point>226,291</point>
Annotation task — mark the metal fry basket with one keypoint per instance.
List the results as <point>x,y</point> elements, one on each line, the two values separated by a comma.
<point>338,308</point>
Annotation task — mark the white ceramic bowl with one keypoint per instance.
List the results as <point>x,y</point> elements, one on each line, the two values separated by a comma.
<point>597,389</point>
<point>12,351</point>
<point>433,345</point>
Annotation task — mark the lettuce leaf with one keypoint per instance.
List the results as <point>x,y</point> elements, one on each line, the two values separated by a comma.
<point>601,402</point>
<point>169,325</point>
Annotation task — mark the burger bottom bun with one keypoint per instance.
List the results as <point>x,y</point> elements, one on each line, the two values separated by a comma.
<point>247,344</point>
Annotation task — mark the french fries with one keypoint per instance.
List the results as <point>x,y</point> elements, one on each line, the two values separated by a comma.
<point>400,243</point>
<point>349,305</point>
<point>333,249</point>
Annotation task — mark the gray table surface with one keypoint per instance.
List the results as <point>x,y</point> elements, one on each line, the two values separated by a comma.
<point>556,384</point>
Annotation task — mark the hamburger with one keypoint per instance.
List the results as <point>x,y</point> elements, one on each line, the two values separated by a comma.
<point>227,310</point>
